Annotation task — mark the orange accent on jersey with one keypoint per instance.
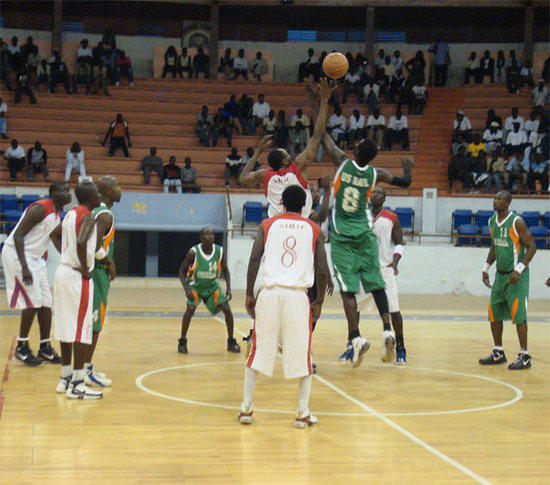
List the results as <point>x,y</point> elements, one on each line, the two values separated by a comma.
<point>101,313</point>
<point>193,267</point>
<point>369,192</point>
<point>514,309</point>
<point>337,183</point>
<point>515,238</point>
<point>219,266</point>
<point>195,295</point>
<point>109,237</point>
<point>491,317</point>
<point>216,296</point>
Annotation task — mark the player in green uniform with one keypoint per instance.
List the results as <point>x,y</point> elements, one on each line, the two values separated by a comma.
<point>104,271</point>
<point>512,247</point>
<point>198,273</point>
<point>354,248</point>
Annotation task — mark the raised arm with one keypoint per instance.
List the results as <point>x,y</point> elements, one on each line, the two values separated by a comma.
<point>322,214</point>
<point>405,181</point>
<point>227,276</point>
<point>252,272</point>
<point>182,273</point>
<point>248,177</point>
<point>336,154</point>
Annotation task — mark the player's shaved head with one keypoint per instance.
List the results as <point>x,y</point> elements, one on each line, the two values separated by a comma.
<point>109,189</point>
<point>506,195</point>
<point>86,193</point>
<point>106,182</point>
<point>275,159</point>
<point>59,185</point>
<point>365,151</point>
<point>294,198</point>
<point>207,235</point>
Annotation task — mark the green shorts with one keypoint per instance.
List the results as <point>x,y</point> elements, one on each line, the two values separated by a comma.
<point>212,296</point>
<point>355,262</point>
<point>509,302</point>
<point>102,283</point>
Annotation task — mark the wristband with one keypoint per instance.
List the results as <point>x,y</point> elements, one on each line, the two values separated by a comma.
<point>398,250</point>
<point>100,254</point>
<point>485,268</point>
<point>520,267</point>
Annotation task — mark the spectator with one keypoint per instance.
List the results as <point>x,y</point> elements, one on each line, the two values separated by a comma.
<point>397,61</point>
<point>442,59</point>
<point>119,133</point>
<point>356,128</point>
<point>492,137</point>
<point>58,72</point>
<point>247,156</point>
<point>14,47</point>
<point>43,75</point>
<point>516,172</point>
<point>418,98</point>
<point>500,68</point>
<point>371,91</point>
<point>532,124</point>
<point>539,156</point>
<point>376,128</point>
<point>462,127</point>
<point>245,115</point>
<point>3,111</point>
<point>123,67</point>
<point>301,117</point>
<point>383,81</point>
<point>226,65</point>
<point>459,169</point>
<point>15,155</point>
<point>260,110</point>
<point>492,117</point>
<point>33,61</point>
<point>461,142</point>
<point>513,118</point>
<point>233,166</point>
<point>476,146</point>
<point>151,163</point>
<point>479,170</point>
<point>37,160</point>
<point>189,178</point>
<point>75,161</point>
<point>108,37</point>
<point>380,58</point>
<point>4,64</point>
<point>352,84</point>
<point>240,66</point>
<point>512,78</point>
<point>269,123</point>
<point>486,67</point>
<point>526,75</point>
<point>258,67</point>
<point>472,68</point>
<point>83,68</point>
<point>23,86</point>
<point>204,126</point>
<point>171,176</point>
<point>337,127</point>
<point>170,62</point>
<point>540,94</point>
<point>495,170</point>
<point>109,59</point>
<point>99,76</point>
<point>516,141</point>
<point>15,60</point>
<point>221,125</point>
<point>546,70</point>
<point>27,49</point>
<point>231,111</point>
<point>397,86</point>
<point>201,64</point>
<point>298,139</point>
<point>398,131</point>
<point>310,68</point>
<point>281,131</point>
<point>513,58</point>
<point>185,66</point>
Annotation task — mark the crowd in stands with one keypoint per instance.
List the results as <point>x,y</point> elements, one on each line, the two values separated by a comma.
<point>513,155</point>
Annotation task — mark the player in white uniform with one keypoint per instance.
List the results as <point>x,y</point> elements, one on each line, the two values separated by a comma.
<point>73,292</point>
<point>24,266</point>
<point>390,249</point>
<point>292,253</point>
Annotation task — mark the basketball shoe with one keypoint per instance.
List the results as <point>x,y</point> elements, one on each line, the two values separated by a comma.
<point>245,416</point>
<point>305,419</point>
<point>347,353</point>
<point>182,345</point>
<point>63,384</point>
<point>495,358</point>
<point>401,355</point>
<point>48,354</point>
<point>95,378</point>
<point>359,346</point>
<point>522,362</point>
<point>233,346</point>
<point>79,390</point>
<point>24,354</point>
<point>388,352</point>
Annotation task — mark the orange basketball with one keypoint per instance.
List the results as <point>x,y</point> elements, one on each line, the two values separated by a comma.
<point>335,65</point>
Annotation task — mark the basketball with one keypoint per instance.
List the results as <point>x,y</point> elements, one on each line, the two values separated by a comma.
<point>335,65</point>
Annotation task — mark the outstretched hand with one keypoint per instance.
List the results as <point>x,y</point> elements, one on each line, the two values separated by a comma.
<point>326,87</point>
<point>265,143</point>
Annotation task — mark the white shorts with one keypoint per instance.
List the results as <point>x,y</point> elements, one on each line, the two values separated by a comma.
<point>283,316</point>
<point>72,306</point>
<point>365,301</point>
<point>20,295</point>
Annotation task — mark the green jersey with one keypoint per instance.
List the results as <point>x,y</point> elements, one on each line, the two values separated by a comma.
<point>507,245</point>
<point>352,190</point>
<point>206,268</point>
<point>108,241</point>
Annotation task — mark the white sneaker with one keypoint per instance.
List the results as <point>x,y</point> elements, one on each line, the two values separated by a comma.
<point>388,352</point>
<point>117,84</point>
<point>63,384</point>
<point>79,390</point>
<point>95,378</point>
<point>359,346</point>
<point>245,416</point>
<point>305,419</point>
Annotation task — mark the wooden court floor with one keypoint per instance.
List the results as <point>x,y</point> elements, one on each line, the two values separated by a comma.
<point>171,418</point>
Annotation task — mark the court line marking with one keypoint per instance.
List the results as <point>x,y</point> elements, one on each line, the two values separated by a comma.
<point>6,375</point>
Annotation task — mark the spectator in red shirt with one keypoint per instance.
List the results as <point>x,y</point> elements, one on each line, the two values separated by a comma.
<point>171,175</point>
<point>123,67</point>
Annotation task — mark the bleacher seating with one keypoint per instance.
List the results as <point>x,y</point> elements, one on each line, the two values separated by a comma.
<point>481,218</point>
<point>28,199</point>
<point>460,217</point>
<point>253,213</point>
<point>8,202</point>
<point>467,235</point>
<point>540,235</point>
<point>546,220</point>
<point>485,236</point>
<point>11,217</point>
<point>406,218</point>
<point>531,218</point>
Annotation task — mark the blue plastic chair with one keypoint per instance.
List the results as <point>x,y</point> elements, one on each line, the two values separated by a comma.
<point>467,235</point>
<point>531,218</point>
<point>11,218</point>
<point>28,199</point>
<point>460,217</point>
<point>540,235</point>
<point>8,202</point>
<point>485,237</point>
<point>406,217</point>
<point>481,219</point>
<point>546,220</point>
<point>252,213</point>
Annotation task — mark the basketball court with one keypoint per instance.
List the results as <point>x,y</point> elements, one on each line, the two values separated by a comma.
<point>171,418</point>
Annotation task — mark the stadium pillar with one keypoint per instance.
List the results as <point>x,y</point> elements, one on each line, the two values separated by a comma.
<point>369,37</point>
<point>528,35</point>
<point>57,32</point>
<point>214,37</point>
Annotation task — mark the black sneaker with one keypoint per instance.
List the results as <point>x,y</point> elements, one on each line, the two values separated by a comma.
<point>48,354</point>
<point>24,354</point>
<point>497,357</point>
<point>522,362</point>
<point>182,345</point>
<point>233,346</point>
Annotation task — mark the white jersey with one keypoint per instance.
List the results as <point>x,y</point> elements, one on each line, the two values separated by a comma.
<point>71,228</point>
<point>36,240</point>
<point>383,227</point>
<point>289,249</point>
<point>276,181</point>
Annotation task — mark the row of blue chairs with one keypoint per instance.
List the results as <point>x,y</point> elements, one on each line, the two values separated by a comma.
<point>474,235</point>
<point>10,202</point>
<point>481,218</point>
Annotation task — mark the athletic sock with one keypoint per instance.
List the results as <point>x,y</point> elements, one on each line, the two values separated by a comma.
<point>399,340</point>
<point>66,371</point>
<point>23,340</point>
<point>250,376</point>
<point>500,348</point>
<point>524,352</point>
<point>353,334</point>
<point>78,375</point>
<point>387,326</point>
<point>44,342</point>
<point>304,393</point>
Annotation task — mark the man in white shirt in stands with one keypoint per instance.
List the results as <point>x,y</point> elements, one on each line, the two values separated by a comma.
<point>370,92</point>
<point>397,61</point>
<point>516,140</point>
<point>462,127</point>
<point>532,124</point>
<point>15,155</point>
<point>513,118</point>
<point>3,111</point>
<point>337,126</point>
<point>376,128</point>
<point>240,66</point>
<point>75,161</point>
<point>260,110</point>
<point>540,94</point>
<point>492,137</point>
<point>356,128</point>
<point>398,131</point>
